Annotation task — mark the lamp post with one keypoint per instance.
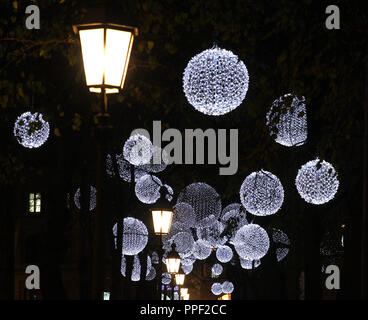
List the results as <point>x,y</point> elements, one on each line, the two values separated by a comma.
<point>106,50</point>
<point>162,216</point>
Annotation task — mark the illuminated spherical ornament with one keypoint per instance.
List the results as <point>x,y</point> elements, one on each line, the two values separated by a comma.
<point>184,215</point>
<point>227,287</point>
<point>183,242</point>
<point>212,235</point>
<point>187,269</point>
<point>147,189</point>
<point>216,288</point>
<point>200,250</point>
<point>135,236</point>
<point>205,201</point>
<point>224,254</point>
<point>251,242</point>
<point>138,150</point>
<point>92,198</point>
<point>282,243</point>
<point>215,81</point>
<point>287,120</point>
<point>249,264</point>
<point>317,182</point>
<point>166,278</point>
<point>123,167</point>
<point>186,261</point>
<point>217,269</point>
<point>158,161</point>
<point>152,274</point>
<point>262,193</point>
<point>31,130</point>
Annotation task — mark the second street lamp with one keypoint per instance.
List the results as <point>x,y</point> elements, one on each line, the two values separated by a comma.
<point>173,261</point>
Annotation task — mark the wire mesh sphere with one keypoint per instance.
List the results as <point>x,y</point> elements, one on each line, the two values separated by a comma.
<point>31,130</point>
<point>249,264</point>
<point>205,201</point>
<point>227,287</point>
<point>224,254</point>
<point>184,242</point>
<point>282,243</point>
<point>262,193</point>
<point>151,275</point>
<point>184,215</point>
<point>212,235</point>
<point>158,161</point>
<point>200,250</point>
<point>138,150</point>
<point>124,168</point>
<point>217,269</point>
<point>252,242</point>
<point>215,81</point>
<point>187,269</point>
<point>135,236</point>
<point>166,278</point>
<point>317,182</point>
<point>216,288</point>
<point>287,120</point>
<point>92,198</point>
<point>147,189</point>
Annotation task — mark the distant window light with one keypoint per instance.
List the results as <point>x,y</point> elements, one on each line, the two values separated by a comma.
<point>106,295</point>
<point>34,203</point>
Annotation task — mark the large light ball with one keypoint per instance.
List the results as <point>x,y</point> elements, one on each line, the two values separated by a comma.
<point>227,287</point>
<point>215,81</point>
<point>262,193</point>
<point>216,288</point>
<point>224,254</point>
<point>251,242</point>
<point>287,120</point>
<point>31,130</point>
<point>147,189</point>
<point>217,269</point>
<point>200,250</point>
<point>135,236</point>
<point>205,201</point>
<point>92,198</point>
<point>317,182</point>
<point>138,150</point>
<point>212,235</point>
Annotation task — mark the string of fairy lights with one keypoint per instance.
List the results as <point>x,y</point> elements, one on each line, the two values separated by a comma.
<point>215,82</point>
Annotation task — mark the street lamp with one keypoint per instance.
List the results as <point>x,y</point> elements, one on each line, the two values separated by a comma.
<point>173,260</point>
<point>179,279</point>
<point>106,52</point>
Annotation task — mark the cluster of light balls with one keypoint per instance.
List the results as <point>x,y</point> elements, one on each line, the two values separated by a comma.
<point>31,130</point>
<point>262,193</point>
<point>215,81</point>
<point>251,242</point>
<point>218,288</point>
<point>317,182</point>
<point>205,201</point>
<point>92,198</point>
<point>135,236</point>
<point>212,235</point>
<point>289,117</point>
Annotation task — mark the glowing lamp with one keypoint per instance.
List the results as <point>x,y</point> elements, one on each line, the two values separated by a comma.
<point>173,261</point>
<point>162,215</point>
<point>183,291</point>
<point>106,52</point>
<point>179,279</point>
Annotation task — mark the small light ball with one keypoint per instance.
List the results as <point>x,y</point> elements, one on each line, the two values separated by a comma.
<point>252,242</point>
<point>31,130</point>
<point>216,288</point>
<point>287,120</point>
<point>92,198</point>
<point>138,150</point>
<point>215,81</point>
<point>200,250</point>
<point>262,193</point>
<point>317,182</point>
<point>166,278</point>
<point>152,274</point>
<point>184,242</point>
<point>217,269</point>
<point>205,201</point>
<point>184,215</point>
<point>135,236</point>
<point>227,287</point>
<point>224,254</point>
<point>147,189</point>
